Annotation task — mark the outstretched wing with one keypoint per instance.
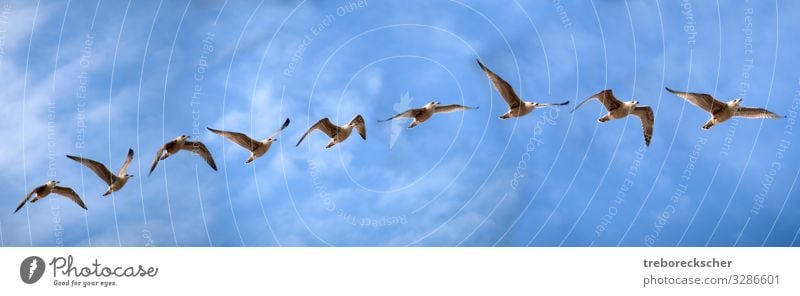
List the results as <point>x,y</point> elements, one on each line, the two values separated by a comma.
<point>69,193</point>
<point>410,113</point>
<point>452,108</point>
<point>281,128</point>
<point>124,169</point>
<point>155,161</point>
<point>200,149</point>
<point>98,168</point>
<point>505,89</point>
<point>756,113</point>
<point>27,198</point>
<point>552,104</point>
<point>606,97</point>
<point>238,138</point>
<point>645,113</point>
<point>360,126</point>
<point>323,125</point>
<point>704,101</point>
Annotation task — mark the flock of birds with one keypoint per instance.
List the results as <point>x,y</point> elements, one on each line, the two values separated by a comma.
<point>720,112</point>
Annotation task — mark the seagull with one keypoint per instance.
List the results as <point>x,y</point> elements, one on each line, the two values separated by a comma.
<point>52,187</point>
<point>618,109</point>
<point>257,148</point>
<point>338,133</point>
<point>179,144</point>
<point>721,112</point>
<point>516,107</point>
<point>115,182</point>
<point>420,115</point>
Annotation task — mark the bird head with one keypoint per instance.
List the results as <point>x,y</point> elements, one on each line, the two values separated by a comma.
<point>128,176</point>
<point>182,138</point>
<point>52,183</point>
<point>270,140</point>
<point>432,104</point>
<point>635,102</point>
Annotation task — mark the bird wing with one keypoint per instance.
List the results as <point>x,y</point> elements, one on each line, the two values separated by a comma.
<point>360,126</point>
<point>27,198</point>
<point>200,149</point>
<point>408,113</point>
<point>552,104</point>
<point>323,125</point>
<point>756,113</point>
<point>505,89</point>
<point>69,193</point>
<point>124,169</point>
<point>155,161</point>
<point>606,97</point>
<point>238,138</point>
<point>281,128</point>
<point>704,101</point>
<point>645,113</point>
<point>452,108</point>
<point>98,168</point>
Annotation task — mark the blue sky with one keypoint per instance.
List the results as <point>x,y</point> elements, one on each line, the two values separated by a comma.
<point>96,78</point>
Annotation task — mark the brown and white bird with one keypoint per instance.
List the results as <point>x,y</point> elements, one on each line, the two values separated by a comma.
<point>256,148</point>
<point>51,187</point>
<point>516,106</point>
<point>179,144</point>
<point>338,133</point>
<point>420,115</point>
<point>618,109</point>
<point>721,112</point>
<point>115,182</point>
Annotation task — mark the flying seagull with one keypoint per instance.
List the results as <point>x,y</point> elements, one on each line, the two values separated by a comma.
<point>115,182</point>
<point>179,144</point>
<point>618,109</point>
<point>52,187</point>
<point>516,107</point>
<point>256,148</point>
<point>420,115</point>
<point>338,133</point>
<point>721,112</point>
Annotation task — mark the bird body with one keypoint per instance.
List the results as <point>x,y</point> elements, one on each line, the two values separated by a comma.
<point>516,106</point>
<point>338,133</point>
<point>256,148</point>
<point>115,182</point>
<point>181,143</point>
<point>524,109</point>
<point>420,115</point>
<point>721,112</point>
<point>618,109</point>
<point>51,187</point>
